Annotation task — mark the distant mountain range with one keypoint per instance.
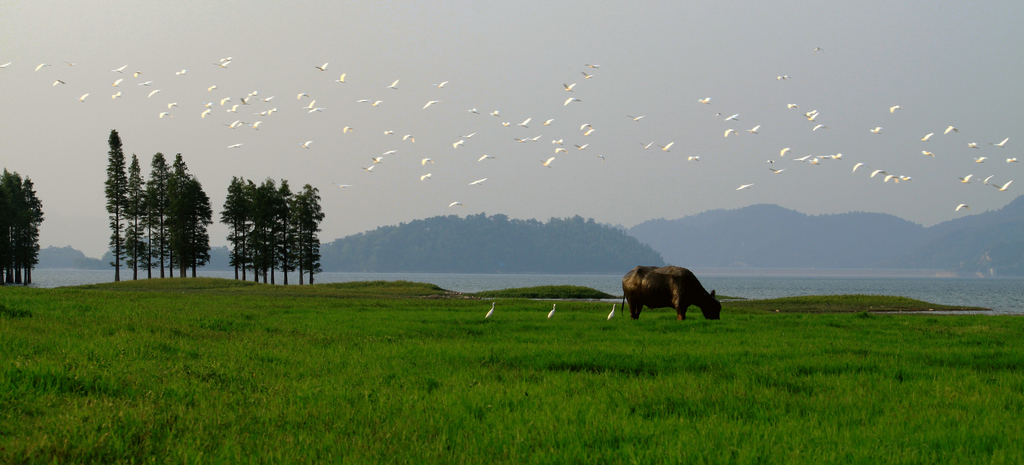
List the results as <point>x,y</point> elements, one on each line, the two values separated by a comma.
<point>769,236</point>
<point>759,236</point>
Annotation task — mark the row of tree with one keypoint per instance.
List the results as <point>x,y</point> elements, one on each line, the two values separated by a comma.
<point>21,213</point>
<point>161,223</point>
<point>270,228</point>
<point>156,224</point>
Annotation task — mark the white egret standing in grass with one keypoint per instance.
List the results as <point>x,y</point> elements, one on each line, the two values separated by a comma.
<point>612,313</point>
<point>552,312</point>
<point>491,312</point>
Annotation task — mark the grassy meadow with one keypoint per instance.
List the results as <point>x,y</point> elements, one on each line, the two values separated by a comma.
<point>219,371</point>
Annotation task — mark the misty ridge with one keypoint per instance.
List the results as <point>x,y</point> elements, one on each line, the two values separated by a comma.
<point>770,236</point>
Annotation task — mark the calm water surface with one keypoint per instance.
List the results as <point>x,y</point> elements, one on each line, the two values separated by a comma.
<point>1002,295</point>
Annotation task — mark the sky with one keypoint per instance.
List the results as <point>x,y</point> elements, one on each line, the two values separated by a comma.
<point>945,63</point>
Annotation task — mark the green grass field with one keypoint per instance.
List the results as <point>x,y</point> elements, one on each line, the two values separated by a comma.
<point>217,371</point>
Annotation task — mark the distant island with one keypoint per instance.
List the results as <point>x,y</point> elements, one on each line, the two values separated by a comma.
<point>490,244</point>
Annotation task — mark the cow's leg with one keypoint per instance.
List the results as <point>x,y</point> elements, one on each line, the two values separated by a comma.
<point>634,311</point>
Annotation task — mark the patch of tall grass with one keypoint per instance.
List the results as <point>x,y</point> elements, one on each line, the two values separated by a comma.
<point>329,374</point>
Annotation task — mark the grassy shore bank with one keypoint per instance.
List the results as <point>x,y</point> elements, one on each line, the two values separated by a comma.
<point>218,371</point>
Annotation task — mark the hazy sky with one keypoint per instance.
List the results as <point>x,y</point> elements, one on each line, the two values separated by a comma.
<point>946,63</point>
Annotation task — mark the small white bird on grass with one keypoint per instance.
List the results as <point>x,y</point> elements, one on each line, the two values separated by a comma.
<point>491,312</point>
<point>552,312</point>
<point>612,313</point>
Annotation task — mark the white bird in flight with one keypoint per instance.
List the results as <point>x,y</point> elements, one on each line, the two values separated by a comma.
<point>525,122</point>
<point>306,144</point>
<point>735,117</point>
<point>972,145</point>
<point>394,85</point>
<point>1003,187</point>
<point>705,100</point>
<point>234,146</point>
<point>117,95</point>
<point>966,179</point>
<point>82,98</point>
<point>570,100</point>
<point>754,129</point>
<point>745,186</point>
<point>951,129</point>
<point>425,177</point>
<point>730,131</point>
<point>568,87</point>
<point>322,67</point>
<point>893,108</point>
<point>927,136</point>
<point>963,205</point>
<point>478,181</point>
<point>429,103</point>
<point>877,130</point>
<point>1001,144</point>
<point>118,70</point>
<point>820,126</point>
<point>547,162</point>
<point>782,152</point>
<point>425,161</point>
<point>454,204</point>
<point>925,152</point>
<point>341,79</point>
<point>457,144</point>
<point>669,145</point>
<point>484,157</point>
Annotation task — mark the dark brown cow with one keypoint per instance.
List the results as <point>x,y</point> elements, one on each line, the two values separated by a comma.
<point>668,286</point>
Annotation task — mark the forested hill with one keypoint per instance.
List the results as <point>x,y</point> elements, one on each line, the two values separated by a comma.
<point>489,244</point>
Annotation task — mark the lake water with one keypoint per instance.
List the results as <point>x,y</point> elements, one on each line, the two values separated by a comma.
<point>1002,295</point>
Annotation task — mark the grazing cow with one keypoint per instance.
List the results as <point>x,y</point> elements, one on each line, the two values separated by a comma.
<point>668,286</point>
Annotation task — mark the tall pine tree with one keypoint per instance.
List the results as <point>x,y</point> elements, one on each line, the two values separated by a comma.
<point>157,205</point>
<point>135,216</point>
<point>117,201</point>
<point>306,218</point>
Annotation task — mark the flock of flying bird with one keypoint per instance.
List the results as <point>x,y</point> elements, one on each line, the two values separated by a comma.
<point>305,102</point>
